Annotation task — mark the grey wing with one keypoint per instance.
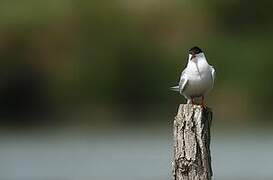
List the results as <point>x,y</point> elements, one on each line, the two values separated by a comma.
<point>183,81</point>
<point>213,73</point>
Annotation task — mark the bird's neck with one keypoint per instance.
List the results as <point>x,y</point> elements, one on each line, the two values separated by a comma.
<point>197,65</point>
<point>201,61</point>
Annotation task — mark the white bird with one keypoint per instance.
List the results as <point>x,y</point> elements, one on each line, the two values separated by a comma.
<point>197,78</point>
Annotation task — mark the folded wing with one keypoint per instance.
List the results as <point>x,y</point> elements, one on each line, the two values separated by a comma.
<point>182,83</point>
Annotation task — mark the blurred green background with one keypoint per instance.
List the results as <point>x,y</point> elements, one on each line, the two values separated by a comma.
<point>92,77</point>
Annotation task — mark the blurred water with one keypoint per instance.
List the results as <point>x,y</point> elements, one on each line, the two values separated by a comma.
<point>117,156</point>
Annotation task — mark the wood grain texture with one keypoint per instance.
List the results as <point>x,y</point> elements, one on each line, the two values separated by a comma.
<point>192,160</point>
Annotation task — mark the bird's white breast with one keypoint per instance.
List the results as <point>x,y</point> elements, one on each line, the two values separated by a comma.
<point>199,77</point>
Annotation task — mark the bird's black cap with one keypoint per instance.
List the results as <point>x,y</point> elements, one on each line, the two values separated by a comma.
<point>195,50</point>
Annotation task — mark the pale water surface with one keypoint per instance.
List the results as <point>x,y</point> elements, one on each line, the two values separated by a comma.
<point>124,156</point>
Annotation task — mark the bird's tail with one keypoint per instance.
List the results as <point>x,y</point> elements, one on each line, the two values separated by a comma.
<point>175,88</point>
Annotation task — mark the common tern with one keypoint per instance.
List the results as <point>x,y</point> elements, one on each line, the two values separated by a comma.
<point>197,79</point>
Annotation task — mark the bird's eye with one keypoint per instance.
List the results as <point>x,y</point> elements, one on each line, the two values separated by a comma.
<point>195,50</point>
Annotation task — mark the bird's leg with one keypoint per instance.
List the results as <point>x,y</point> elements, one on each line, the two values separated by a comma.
<point>192,100</point>
<point>203,102</point>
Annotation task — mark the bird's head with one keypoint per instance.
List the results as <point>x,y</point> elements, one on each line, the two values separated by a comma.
<point>195,52</point>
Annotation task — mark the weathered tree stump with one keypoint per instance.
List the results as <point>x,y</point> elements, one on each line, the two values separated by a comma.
<point>192,160</point>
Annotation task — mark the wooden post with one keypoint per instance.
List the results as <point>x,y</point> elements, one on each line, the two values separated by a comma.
<point>191,130</point>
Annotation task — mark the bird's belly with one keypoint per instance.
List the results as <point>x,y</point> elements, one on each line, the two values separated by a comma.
<point>199,85</point>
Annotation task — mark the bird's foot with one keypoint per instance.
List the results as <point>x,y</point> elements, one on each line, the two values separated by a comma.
<point>204,106</point>
<point>192,101</point>
<point>203,103</point>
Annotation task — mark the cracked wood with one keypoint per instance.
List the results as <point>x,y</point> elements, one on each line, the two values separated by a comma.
<point>192,159</point>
